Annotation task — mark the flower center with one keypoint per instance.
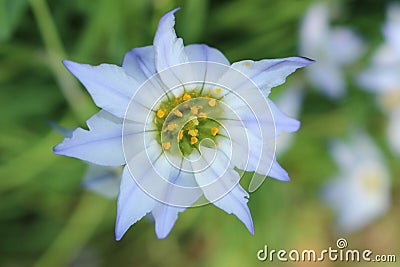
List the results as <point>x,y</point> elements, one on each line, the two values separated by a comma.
<point>183,122</point>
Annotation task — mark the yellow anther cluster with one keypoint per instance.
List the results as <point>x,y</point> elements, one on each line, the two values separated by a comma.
<point>180,135</point>
<point>202,115</point>
<point>214,131</point>
<point>184,121</point>
<point>193,140</point>
<point>171,126</point>
<point>194,110</point>
<point>166,145</point>
<point>160,113</point>
<point>212,102</point>
<point>195,121</point>
<point>177,113</point>
<point>193,132</point>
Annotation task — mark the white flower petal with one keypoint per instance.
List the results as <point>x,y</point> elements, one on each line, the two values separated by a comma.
<point>270,73</point>
<point>169,50</point>
<point>247,151</point>
<point>102,180</point>
<point>110,87</point>
<point>290,102</point>
<point>236,202</point>
<point>202,52</point>
<point>220,184</point>
<point>278,172</point>
<point>133,204</point>
<point>166,215</point>
<point>282,121</point>
<point>101,145</point>
<point>140,63</point>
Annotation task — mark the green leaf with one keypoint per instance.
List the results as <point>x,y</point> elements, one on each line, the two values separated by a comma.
<point>10,13</point>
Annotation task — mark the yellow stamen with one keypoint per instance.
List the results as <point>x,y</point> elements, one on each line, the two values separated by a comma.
<point>247,63</point>
<point>176,112</point>
<point>194,110</point>
<point>218,90</point>
<point>216,143</point>
<point>212,102</point>
<point>214,131</point>
<point>166,145</point>
<point>186,96</point>
<point>180,135</point>
<point>160,113</point>
<point>194,120</point>
<point>193,132</point>
<point>171,126</point>
<point>202,115</point>
<point>193,140</point>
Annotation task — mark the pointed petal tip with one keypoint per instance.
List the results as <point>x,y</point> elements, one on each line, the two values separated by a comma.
<point>71,65</point>
<point>296,125</point>
<point>118,234</point>
<point>175,9</point>
<point>306,61</point>
<point>68,63</point>
<point>251,230</point>
<point>311,61</point>
<point>56,149</point>
<point>117,238</point>
<point>250,227</point>
<point>168,14</point>
<point>161,235</point>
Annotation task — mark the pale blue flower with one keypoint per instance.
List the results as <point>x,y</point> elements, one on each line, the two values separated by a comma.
<point>360,193</point>
<point>333,48</point>
<point>120,134</point>
<point>382,76</point>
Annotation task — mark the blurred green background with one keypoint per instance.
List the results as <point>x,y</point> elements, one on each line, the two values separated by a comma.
<point>48,219</point>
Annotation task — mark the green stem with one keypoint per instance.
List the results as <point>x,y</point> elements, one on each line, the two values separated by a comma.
<point>79,102</point>
<point>77,231</point>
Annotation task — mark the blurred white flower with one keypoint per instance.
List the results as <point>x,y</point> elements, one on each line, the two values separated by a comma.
<point>361,192</point>
<point>332,48</point>
<point>383,75</point>
<point>393,132</point>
